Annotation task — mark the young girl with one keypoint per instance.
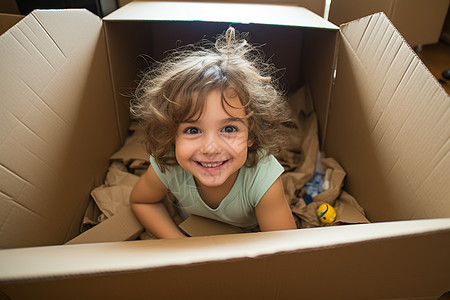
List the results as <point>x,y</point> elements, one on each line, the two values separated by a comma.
<point>211,119</point>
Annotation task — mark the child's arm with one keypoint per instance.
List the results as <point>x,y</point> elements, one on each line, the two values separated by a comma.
<point>145,200</point>
<point>273,211</point>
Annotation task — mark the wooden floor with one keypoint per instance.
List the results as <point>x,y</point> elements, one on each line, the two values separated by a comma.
<point>437,59</point>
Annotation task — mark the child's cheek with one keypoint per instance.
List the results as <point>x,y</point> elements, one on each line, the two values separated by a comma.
<point>238,143</point>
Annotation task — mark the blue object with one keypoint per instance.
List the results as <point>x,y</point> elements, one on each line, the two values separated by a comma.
<point>313,188</point>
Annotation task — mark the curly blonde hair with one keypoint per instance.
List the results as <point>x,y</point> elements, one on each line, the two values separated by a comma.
<point>165,95</point>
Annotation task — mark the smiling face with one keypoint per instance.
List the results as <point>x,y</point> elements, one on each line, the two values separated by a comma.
<point>213,145</point>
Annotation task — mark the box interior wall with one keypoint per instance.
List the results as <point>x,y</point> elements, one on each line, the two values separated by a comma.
<point>301,54</point>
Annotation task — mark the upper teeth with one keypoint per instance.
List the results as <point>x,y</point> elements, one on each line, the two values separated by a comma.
<point>210,165</point>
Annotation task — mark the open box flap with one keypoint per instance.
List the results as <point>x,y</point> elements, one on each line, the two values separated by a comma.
<point>219,12</point>
<point>384,98</point>
<point>56,106</point>
<point>308,257</point>
<point>318,7</point>
<point>55,261</point>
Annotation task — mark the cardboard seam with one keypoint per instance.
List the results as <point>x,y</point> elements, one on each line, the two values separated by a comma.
<point>347,42</point>
<point>407,44</point>
<point>417,203</point>
<point>19,29</point>
<point>22,206</point>
<point>4,194</point>
<point>436,82</point>
<point>409,112</point>
<point>383,86</point>
<point>20,122</point>
<point>369,30</point>
<point>35,47</point>
<point>45,104</point>
<point>11,207</point>
<point>35,17</point>
<point>363,66</point>
<point>366,37</point>
<point>392,167</point>
<point>11,33</point>
<point>435,167</point>
<point>113,86</point>
<point>67,231</point>
<point>323,140</point>
<point>32,154</point>
<point>7,170</point>
<point>24,181</point>
<point>394,94</point>
<point>389,35</point>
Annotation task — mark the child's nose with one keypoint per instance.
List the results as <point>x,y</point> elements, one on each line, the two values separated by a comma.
<point>212,144</point>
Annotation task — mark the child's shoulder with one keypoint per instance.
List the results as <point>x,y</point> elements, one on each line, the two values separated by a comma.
<point>266,161</point>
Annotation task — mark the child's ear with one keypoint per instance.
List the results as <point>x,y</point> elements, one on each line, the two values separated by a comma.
<point>249,142</point>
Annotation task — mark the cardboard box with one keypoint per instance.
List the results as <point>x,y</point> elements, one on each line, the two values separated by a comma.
<point>64,80</point>
<point>419,21</point>
<point>316,6</point>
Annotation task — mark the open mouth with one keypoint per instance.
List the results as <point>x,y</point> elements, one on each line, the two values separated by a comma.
<point>211,164</point>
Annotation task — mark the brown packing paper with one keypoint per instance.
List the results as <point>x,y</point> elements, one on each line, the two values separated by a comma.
<point>120,227</point>
<point>138,167</point>
<point>307,213</point>
<point>127,165</point>
<point>115,194</point>
<point>119,175</point>
<point>200,226</point>
<point>91,216</point>
<point>299,159</point>
<point>299,155</point>
<point>131,150</point>
<point>111,197</point>
<point>348,211</point>
<point>133,153</point>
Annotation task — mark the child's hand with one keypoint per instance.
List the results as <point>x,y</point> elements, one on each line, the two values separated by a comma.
<point>145,200</point>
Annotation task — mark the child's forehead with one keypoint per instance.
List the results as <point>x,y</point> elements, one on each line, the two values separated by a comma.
<point>229,100</point>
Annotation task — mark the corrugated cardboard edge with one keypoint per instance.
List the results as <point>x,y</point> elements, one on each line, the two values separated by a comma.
<point>51,262</point>
<point>246,13</point>
<point>317,7</point>
<point>122,226</point>
<point>389,268</point>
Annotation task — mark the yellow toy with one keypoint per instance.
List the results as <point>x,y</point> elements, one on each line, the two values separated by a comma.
<point>326,213</point>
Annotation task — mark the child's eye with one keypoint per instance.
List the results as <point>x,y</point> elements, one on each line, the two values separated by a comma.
<point>192,130</point>
<point>229,129</point>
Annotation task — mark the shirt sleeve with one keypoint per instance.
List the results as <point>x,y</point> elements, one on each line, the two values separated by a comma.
<point>162,176</point>
<point>266,173</point>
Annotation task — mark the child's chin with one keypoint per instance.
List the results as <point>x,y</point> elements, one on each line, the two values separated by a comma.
<point>211,182</point>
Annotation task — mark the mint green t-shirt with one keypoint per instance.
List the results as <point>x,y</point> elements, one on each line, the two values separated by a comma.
<point>238,207</point>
